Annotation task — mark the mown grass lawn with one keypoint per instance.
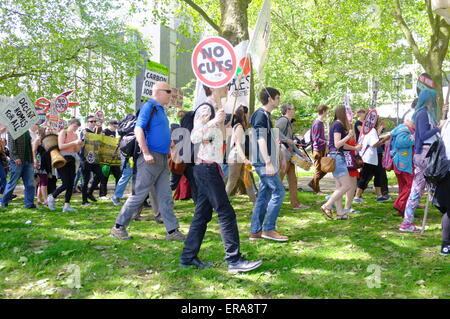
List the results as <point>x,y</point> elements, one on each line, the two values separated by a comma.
<point>323,259</point>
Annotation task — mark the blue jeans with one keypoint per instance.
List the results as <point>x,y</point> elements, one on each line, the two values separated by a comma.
<point>26,172</point>
<point>77,177</point>
<point>268,203</point>
<point>2,178</point>
<point>127,173</point>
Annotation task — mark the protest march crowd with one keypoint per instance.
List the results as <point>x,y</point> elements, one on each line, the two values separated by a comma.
<point>209,154</point>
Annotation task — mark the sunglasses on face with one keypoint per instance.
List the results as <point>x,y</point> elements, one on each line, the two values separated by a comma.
<point>92,121</point>
<point>167,91</point>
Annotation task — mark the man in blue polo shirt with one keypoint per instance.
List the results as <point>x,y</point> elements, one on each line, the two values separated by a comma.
<point>153,135</point>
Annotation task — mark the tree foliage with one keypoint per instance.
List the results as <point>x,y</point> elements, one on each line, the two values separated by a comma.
<point>322,49</point>
<point>49,46</point>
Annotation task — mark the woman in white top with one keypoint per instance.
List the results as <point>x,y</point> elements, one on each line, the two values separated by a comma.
<point>372,162</point>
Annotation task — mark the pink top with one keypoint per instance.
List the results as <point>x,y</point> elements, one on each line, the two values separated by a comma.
<point>70,137</point>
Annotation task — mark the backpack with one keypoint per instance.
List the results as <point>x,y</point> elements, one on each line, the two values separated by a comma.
<point>128,145</point>
<point>438,165</point>
<point>187,122</point>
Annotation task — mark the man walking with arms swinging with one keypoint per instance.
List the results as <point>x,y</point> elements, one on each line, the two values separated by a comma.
<point>153,136</point>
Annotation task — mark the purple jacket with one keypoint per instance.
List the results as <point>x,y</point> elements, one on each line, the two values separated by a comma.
<point>423,130</point>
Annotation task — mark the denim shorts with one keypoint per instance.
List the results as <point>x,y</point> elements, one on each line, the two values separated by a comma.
<point>340,166</point>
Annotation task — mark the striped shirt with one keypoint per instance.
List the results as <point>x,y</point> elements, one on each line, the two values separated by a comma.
<point>318,136</point>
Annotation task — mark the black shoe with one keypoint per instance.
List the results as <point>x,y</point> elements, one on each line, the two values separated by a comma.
<point>91,197</point>
<point>243,265</point>
<point>197,263</point>
<point>31,207</point>
<point>12,197</point>
<point>85,204</point>
<point>445,250</point>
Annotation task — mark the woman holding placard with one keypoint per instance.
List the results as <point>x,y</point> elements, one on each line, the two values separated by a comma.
<point>69,145</point>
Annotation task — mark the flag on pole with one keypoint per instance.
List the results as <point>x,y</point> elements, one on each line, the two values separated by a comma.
<point>260,40</point>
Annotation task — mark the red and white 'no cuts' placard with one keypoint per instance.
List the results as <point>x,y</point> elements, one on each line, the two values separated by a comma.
<point>214,62</point>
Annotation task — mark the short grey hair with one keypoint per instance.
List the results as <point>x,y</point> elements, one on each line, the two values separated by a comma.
<point>286,107</point>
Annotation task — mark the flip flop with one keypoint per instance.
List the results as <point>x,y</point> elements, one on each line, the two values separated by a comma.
<point>327,212</point>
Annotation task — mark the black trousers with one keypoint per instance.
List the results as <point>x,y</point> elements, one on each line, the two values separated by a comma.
<point>51,186</point>
<point>115,170</point>
<point>442,198</point>
<point>174,181</point>
<point>211,195</point>
<point>86,170</point>
<point>67,174</point>
<point>378,171</point>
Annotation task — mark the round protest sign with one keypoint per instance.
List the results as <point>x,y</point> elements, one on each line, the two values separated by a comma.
<point>61,124</point>
<point>214,62</point>
<point>61,104</point>
<point>369,122</point>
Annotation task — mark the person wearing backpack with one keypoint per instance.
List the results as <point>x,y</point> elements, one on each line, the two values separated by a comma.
<point>401,156</point>
<point>153,138</point>
<point>427,131</point>
<point>208,132</point>
<point>289,148</point>
<point>442,193</point>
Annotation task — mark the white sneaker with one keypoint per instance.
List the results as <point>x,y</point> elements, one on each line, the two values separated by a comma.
<point>104,198</point>
<point>51,202</point>
<point>69,209</point>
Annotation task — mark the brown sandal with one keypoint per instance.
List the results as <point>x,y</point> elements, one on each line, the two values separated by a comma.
<point>327,212</point>
<point>343,217</point>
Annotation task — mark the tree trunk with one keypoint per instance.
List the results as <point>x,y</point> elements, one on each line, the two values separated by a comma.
<point>234,20</point>
<point>438,46</point>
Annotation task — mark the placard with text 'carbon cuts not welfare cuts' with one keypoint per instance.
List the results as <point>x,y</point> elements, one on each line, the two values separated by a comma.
<point>19,115</point>
<point>154,72</point>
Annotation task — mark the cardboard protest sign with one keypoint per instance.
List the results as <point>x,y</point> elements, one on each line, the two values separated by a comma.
<point>101,149</point>
<point>348,109</point>
<point>214,62</point>
<point>176,100</point>
<point>19,115</point>
<point>154,72</point>
<point>239,87</point>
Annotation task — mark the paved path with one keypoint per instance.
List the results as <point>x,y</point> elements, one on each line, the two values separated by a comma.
<point>327,184</point>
